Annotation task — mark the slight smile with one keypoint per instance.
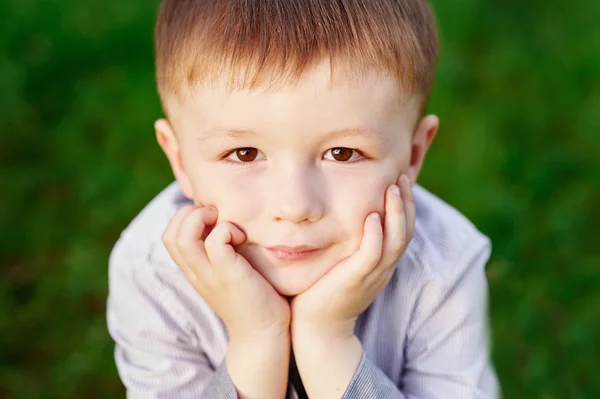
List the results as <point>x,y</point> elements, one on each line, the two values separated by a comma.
<point>289,253</point>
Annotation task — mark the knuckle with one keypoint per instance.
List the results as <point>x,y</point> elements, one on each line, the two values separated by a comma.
<point>353,287</point>
<point>181,214</point>
<point>225,225</point>
<point>185,246</point>
<point>166,239</point>
<point>185,251</point>
<point>392,261</point>
<point>186,208</point>
<point>207,210</point>
<point>180,241</point>
<point>214,237</point>
<point>397,247</point>
<point>372,259</point>
<point>196,213</point>
<point>210,246</point>
<point>388,273</point>
<point>204,212</point>
<point>191,277</point>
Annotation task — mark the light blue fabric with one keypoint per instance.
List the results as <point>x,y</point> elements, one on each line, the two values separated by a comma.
<point>424,336</point>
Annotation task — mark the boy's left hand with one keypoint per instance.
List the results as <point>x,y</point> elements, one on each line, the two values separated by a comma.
<point>331,306</point>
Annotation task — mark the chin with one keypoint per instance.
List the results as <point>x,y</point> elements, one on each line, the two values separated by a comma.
<point>290,287</point>
<point>289,282</point>
<point>290,278</point>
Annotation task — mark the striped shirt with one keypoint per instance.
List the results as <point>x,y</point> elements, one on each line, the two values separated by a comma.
<point>424,336</point>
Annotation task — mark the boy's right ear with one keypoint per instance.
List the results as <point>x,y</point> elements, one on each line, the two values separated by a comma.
<point>167,140</point>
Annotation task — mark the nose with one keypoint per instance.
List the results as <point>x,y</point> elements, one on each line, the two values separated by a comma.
<point>296,195</point>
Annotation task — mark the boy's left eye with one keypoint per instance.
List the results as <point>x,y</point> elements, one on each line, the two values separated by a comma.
<point>342,154</point>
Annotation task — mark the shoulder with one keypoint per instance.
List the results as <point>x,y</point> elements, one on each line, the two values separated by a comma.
<point>141,240</point>
<point>438,284</point>
<point>442,271</point>
<point>139,263</point>
<point>445,241</point>
<point>144,283</point>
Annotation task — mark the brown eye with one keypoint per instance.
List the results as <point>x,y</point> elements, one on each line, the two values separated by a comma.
<point>246,154</point>
<point>341,154</point>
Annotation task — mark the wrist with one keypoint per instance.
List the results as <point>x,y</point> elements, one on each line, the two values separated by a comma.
<point>261,344</point>
<point>326,363</point>
<point>258,364</point>
<point>323,342</point>
<point>277,332</point>
<point>327,332</point>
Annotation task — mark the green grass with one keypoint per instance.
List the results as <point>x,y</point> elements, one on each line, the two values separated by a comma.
<point>518,94</point>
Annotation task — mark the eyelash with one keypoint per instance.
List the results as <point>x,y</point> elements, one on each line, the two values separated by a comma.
<point>227,153</point>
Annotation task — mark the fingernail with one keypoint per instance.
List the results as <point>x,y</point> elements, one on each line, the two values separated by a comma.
<point>375,216</point>
<point>395,190</point>
<point>212,207</point>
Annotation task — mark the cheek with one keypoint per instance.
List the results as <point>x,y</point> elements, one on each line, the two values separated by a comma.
<point>225,194</point>
<point>361,197</point>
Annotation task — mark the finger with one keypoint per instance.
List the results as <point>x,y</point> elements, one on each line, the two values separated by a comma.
<point>219,245</point>
<point>189,238</point>
<point>410,210</point>
<point>169,236</point>
<point>394,230</point>
<point>368,255</point>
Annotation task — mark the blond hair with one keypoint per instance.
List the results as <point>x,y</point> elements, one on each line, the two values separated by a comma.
<point>253,43</point>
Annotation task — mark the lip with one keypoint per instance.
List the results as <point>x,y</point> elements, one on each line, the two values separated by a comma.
<point>300,252</point>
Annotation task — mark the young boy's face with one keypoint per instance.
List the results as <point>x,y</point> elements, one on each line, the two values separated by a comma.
<point>298,165</point>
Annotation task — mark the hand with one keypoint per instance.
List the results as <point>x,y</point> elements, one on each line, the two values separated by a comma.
<point>332,305</point>
<point>248,305</point>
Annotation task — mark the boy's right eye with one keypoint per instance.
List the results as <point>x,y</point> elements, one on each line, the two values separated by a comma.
<point>243,155</point>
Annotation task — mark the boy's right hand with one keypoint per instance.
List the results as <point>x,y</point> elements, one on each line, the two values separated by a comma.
<point>248,305</point>
<point>256,316</point>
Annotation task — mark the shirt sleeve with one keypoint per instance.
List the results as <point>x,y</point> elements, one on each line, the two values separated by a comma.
<point>369,382</point>
<point>447,350</point>
<point>156,354</point>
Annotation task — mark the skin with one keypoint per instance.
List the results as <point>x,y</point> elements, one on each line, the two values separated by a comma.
<point>294,190</point>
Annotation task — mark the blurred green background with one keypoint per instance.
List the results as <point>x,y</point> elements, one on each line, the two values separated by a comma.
<point>518,94</point>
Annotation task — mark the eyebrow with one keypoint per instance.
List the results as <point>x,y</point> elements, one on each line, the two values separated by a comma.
<point>334,134</point>
<point>225,132</point>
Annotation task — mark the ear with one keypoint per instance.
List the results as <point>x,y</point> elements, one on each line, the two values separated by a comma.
<point>423,136</point>
<point>168,142</point>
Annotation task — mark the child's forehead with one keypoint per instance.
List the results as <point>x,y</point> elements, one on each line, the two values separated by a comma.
<point>317,82</point>
<point>314,104</point>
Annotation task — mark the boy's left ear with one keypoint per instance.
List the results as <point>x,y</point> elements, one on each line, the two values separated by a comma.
<point>422,138</point>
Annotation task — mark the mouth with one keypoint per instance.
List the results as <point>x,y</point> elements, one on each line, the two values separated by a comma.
<point>288,253</point>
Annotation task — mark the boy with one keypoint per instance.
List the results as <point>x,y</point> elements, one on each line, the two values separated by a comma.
<point>291,247</point>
